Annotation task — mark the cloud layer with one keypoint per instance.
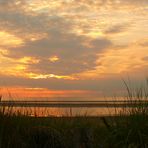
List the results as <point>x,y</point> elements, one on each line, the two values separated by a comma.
<point>72,40</point>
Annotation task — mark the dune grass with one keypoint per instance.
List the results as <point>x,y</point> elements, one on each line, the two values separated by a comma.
<point>29,132</point>
<point>127,129</point>
<point>130,128</point>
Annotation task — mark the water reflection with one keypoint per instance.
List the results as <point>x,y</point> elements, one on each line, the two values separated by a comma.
<point>62,112</point>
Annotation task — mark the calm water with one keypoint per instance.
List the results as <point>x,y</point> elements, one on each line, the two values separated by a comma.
<point>54,107</point>
<point>66,108</point>
<point>65,111</point>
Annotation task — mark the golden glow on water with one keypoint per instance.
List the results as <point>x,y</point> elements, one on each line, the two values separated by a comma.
<point>66,112</point>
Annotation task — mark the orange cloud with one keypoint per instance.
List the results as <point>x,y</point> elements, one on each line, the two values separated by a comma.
<point>53,59</point>
<point>9,40</point>
<point>119,60</point>
<point>46,76</point>
<point>16,93</point>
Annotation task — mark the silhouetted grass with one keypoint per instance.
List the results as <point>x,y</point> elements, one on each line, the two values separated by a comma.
<point>130,127</point>
<point>127,129</point>
<point>35,132</point>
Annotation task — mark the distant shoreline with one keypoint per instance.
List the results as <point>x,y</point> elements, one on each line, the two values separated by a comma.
<point>111,104</point>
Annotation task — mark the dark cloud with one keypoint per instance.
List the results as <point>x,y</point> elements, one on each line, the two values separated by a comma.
<point>73,55</point>
<point>113,4</point>
<point>145,58</point>
<point>22,24</point>
<point>134,2</point>
<point>116,29</point>
<point>144,43</point>
<point>60,84</point>
<point>100,43</point>
<point>15,18</point>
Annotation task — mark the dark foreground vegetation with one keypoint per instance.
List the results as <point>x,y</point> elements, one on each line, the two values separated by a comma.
<point>75,132</point>
<point>128,129</point>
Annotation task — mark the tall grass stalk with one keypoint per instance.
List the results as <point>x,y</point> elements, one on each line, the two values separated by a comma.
<point>129,128</point>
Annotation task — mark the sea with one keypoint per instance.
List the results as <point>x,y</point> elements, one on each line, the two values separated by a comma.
<point>69,107</point>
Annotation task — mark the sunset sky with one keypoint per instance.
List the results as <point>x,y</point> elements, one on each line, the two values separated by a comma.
<point>71,48</point>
